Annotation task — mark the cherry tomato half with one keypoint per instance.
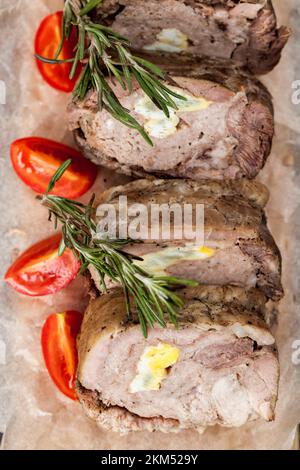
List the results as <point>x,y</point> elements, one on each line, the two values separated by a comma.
<point>47,41</point>
<point>40,271</point>
<point>35,160</point>
<point>59,349</point>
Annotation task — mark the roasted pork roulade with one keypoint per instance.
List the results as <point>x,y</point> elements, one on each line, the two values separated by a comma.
<point>219,367</point>
<point>236,249</point>
<point>222,130</point>
<point>242,31</point>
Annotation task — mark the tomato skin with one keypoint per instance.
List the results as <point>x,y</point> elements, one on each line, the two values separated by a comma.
<point>40,271</point>
<point>47,40</point>
<point>35,160</point>
<point>59,349</point>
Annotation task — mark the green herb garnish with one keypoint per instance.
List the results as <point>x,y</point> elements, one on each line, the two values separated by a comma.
<point>106,54</point>
<point>153,299</point>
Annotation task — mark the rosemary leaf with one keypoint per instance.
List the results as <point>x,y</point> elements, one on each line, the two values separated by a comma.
<point>75,64</point>
<point>148,65</point>
<point>63,37</point>
<point>68,18</point>
<point>62,247</point>
<point>53,61</point>
<point>58,174</point>
<point>89,7</point>
<point>116,73</point>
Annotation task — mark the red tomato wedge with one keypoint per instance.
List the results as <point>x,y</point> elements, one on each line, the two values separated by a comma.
<point>35,160</point>
<point>59,349</point>
<point>40,271</point>
<point>47,41</point>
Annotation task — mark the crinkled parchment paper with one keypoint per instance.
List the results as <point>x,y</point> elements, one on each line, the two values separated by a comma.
<point>33,414</point>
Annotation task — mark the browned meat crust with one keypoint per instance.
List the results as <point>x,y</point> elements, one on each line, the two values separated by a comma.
<point>118,419</point>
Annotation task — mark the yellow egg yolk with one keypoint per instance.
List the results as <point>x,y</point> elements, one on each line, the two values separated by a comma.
<point>153,367</point>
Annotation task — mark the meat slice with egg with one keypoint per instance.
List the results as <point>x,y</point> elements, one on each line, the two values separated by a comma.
<point>219,366</point>
<point>236,249</point>
<point>223,128</point>
<point>245,32</point>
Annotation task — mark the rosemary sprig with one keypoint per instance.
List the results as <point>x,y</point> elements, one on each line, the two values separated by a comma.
<point>102,49</point>
<point>151,295</point>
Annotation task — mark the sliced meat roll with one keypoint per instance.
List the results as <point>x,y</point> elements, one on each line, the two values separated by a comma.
<point>219,367</point>
<point>222,130</point>
<point>242,31</point>
<point>237,248</point>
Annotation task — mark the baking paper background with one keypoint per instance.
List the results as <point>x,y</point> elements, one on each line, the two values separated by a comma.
<point>33,414</point>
